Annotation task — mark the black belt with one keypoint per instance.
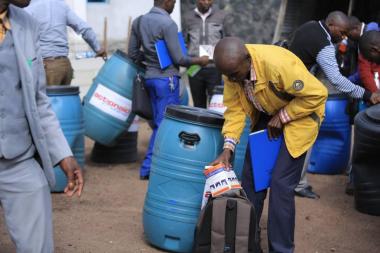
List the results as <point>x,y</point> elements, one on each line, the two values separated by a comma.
<point>54,58</point>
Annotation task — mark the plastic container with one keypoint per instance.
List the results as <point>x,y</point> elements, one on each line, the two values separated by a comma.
<point>187,140</point>
<point>107,105</point>
<point>365,162</point>
<point>331,151</point>
<point>66,104</point>
<point>124,151</point>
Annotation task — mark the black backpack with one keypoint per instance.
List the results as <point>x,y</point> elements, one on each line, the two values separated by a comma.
<point>227,224</point>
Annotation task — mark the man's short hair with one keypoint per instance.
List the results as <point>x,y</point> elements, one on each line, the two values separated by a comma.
<point>336,17</point>
<point>367,40</point>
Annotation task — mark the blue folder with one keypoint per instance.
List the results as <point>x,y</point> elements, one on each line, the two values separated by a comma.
<point>264,153</point>
<point>163,52</point>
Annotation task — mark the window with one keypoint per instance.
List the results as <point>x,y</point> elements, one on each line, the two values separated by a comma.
<point>97,1</point>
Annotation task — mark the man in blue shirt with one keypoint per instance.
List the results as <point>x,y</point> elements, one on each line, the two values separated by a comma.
<point>54,16</point>
<point>162,84</point>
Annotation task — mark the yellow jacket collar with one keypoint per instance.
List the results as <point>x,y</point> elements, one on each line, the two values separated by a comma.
<point>258,68</point>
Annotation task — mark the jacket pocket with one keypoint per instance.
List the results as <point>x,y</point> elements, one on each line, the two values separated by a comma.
<point>214,33</point>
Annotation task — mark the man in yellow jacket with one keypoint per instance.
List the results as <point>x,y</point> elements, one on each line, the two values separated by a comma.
<point>273,87</point>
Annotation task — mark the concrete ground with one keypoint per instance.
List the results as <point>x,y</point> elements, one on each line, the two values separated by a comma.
<point>108,217</point>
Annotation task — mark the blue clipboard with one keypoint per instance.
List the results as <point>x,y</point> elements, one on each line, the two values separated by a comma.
<point>264,153</point>
<point>163,52</point>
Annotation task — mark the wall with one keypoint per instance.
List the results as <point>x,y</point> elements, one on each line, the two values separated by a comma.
<point>118,13</point>
<point>254,21</point>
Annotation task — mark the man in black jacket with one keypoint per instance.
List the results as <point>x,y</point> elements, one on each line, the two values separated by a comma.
<point>313,43</point>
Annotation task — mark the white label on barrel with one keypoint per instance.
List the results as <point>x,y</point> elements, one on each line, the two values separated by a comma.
<point>216,103</point>
<point>111,103</point>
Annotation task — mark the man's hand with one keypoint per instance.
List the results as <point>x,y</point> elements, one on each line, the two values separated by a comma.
<point>275,127</point>
<point>375,97</point>
<point>224,157</point>
<point>74,176</point>
<point>101,53</point>
<point>203,60</point>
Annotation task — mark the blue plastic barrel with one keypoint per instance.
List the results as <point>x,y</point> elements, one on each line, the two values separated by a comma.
<point>184,97</point>
<point>67,106</point>
<point>107,105</point>
<point>187,140</point>
<point>331,151</point>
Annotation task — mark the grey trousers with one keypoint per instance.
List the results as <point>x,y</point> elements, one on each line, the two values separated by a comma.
<point>26,201</point>
<point>303,181</point>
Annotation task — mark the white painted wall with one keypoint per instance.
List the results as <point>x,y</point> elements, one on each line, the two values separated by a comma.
<point>118,13</point>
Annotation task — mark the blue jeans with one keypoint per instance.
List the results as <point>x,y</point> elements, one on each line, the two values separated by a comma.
<point>163,92</point>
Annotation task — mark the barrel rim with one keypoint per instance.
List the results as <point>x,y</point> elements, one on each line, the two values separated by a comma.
<point>338,95</point>
<point>125,57</point>
<point>195,114</point>
<point>373,113</point>
<point>62,90</point>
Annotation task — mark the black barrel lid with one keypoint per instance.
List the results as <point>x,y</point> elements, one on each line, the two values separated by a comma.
<point>195,114</point>
<point>218,90</point>
<point>374,113</point>
<point>62,90</point>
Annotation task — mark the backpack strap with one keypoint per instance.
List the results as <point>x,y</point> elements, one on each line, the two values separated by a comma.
<point>230,225</point>
<point>218,225</point>
<point>243,238</point>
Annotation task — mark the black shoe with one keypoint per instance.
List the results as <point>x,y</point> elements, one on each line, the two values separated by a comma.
<point>144,177</point>
<point>307,193</point>
<point>350,188</point>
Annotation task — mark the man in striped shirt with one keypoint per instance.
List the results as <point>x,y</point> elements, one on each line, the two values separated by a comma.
<point>313,43</point>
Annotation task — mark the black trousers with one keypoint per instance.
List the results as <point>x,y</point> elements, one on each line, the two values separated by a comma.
<point>202,85</point>
<point>285,177</point>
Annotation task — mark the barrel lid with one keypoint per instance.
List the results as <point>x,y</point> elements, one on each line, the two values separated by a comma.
<point>194,114</point>
<point>122,54</point>
<point>374,113</point>
<point>62,90</point>
<point>218,89</point>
